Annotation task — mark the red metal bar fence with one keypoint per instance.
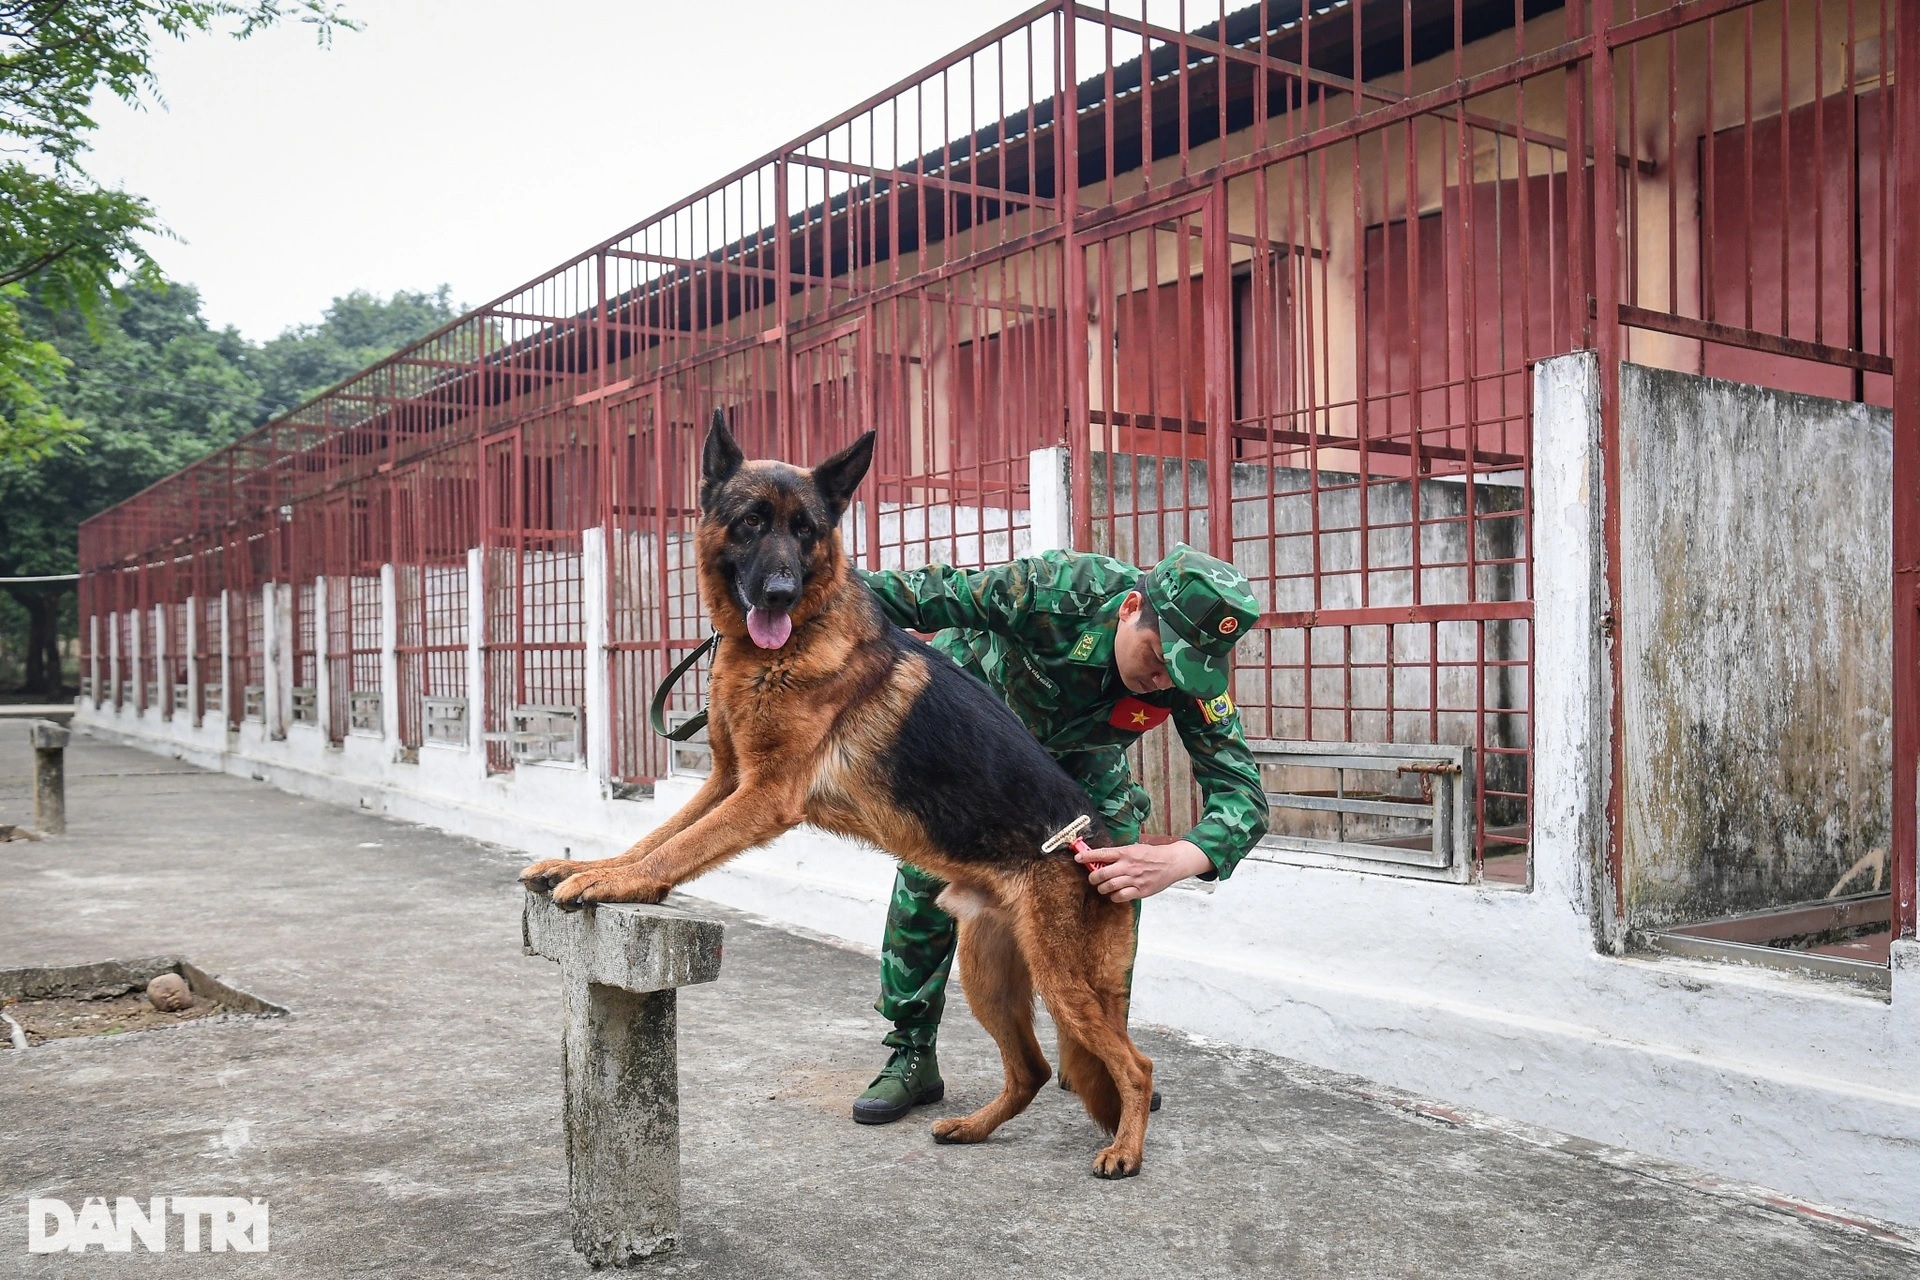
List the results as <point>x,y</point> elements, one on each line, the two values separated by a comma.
<point>1275,276</point>
<point>434,523</point>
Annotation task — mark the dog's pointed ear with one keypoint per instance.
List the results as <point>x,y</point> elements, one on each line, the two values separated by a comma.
<point>840,475</point>
<point>719,459</point>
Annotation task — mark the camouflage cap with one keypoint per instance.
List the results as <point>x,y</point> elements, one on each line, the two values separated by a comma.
<point>1204,606</point>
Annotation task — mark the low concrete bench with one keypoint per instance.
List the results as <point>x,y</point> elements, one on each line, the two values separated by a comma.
<point>619,969</point>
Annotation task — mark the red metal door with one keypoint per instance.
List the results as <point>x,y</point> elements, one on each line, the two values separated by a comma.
<point>1152,444</point>
<point>648,521</point>
<point>1153,451</point>
<point>832,402</point>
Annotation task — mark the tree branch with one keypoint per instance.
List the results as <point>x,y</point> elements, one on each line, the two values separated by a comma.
<point>35,267</point>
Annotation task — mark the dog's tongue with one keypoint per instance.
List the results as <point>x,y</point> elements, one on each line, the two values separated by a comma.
<point>768,629</point>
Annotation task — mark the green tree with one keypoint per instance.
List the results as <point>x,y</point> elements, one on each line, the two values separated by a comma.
<point>71,247</point>
<point>66,242</point>
<point>153,388</point>
<point>356,331</point>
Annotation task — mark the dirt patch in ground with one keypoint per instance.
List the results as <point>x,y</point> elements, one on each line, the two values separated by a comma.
<point>67,1017</point>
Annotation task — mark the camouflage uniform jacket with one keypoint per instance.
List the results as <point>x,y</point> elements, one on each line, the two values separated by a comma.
<point>1040,632</point>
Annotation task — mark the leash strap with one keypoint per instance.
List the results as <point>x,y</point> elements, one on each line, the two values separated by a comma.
<point>657,714</point>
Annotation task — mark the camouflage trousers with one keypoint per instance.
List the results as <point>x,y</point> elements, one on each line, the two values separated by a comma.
<point>916,952</point>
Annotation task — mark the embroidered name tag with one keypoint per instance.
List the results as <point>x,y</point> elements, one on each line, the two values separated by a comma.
<point>1132,714</point>
<point>1033,669</point>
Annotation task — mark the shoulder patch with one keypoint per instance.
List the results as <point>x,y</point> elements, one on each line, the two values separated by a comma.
<point>1136,716</point>
<point>1214,710</point>
<point>1083,647</point>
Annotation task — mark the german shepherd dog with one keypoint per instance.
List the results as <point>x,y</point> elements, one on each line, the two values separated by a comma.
<point>823,711</point>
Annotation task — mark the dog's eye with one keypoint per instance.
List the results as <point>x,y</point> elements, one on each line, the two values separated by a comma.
<point>802,530</point>
<point>751,522</point>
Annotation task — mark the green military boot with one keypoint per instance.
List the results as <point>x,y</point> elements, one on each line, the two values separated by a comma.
<point>910,1079</point>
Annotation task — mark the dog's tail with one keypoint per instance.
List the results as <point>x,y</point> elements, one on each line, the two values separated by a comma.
<point>1091,1082</point>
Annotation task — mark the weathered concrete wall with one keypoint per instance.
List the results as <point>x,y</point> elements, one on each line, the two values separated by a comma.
<point>1754,624</point>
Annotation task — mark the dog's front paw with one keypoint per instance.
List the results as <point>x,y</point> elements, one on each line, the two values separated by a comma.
<point>958,1129</point>
<point>1112,1162</point>
<point>541,877</point>
<point>593,884</point>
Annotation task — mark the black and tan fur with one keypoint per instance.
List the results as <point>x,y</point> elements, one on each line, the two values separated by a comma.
<point>856,727</point>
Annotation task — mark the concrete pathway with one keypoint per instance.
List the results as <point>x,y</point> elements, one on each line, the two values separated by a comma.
<point>404,1121</point>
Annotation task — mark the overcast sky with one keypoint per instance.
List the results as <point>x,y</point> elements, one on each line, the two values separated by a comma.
<point>479,142</point>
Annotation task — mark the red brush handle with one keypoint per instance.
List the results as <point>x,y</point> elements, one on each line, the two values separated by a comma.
<point>1080,846</point>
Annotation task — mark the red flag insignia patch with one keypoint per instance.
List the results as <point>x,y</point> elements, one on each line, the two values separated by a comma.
<point>1132,714</point>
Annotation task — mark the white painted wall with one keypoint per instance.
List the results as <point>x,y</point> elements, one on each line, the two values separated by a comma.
<point>1049,500</point>
<point>1492,998</point>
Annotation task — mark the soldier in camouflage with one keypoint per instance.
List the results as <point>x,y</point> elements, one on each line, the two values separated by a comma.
<point>1090,653</point>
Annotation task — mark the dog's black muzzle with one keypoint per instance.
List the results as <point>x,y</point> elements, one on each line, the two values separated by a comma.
<point>778,591</point>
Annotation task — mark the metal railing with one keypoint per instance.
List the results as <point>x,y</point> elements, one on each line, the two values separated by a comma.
<point>1274,276</point>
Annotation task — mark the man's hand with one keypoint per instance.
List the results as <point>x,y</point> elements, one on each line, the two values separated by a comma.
<point>1142,870</point>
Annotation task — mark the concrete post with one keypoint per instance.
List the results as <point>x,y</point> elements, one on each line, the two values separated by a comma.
<point>162,650</point>
<point>390,657</point>
<point>113,659</point>
<point>277,671</point>
<point>476,657</point>
<point>599,693</point>
<point>139,677</point>
<point>1049,500</point>
<point>619,968</point>
<point>322,673</point>
<point>49,777</point>
<point>269,663</point>
<point>1571,754</point>
<point>93,659</point>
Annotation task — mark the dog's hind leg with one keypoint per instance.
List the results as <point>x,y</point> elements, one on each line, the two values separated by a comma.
<point>1081,974</point>
<point>1000,992</point>
<point>1089,1080</point>
<point>1112,1078</point>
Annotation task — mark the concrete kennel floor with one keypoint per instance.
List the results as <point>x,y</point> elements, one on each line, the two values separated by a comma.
<point>404,1121</point>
